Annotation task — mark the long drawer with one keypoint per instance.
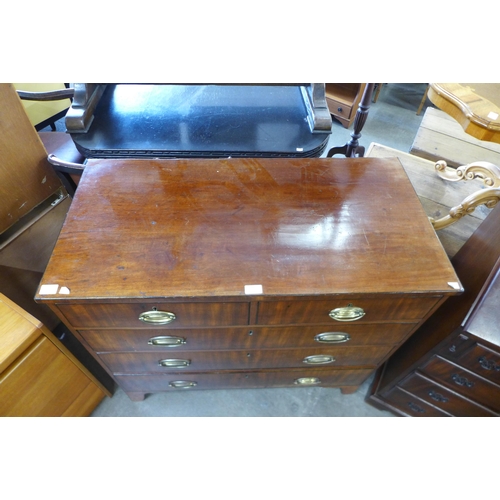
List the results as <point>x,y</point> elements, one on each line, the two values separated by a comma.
<point>150,362</point>
<point>442,398</point>
<point>246,338</point>
<point>410,405</point>
<point>390,308</point>
<point>463,382</point>
<point>270,378</point>
<point>164,315</point>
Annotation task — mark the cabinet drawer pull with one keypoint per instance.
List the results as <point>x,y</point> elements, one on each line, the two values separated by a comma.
<point>167,341</point>
<point>415,408</point>
<point>174,363</point>
<point>438,397</point>
<point>462,381</point>
<point>348,313</point>
<point>488,364</point>
<point>307,381</point>
<point>155,317</point>
<point>182,384</point>
<point>318,359</point>
<point>332,337</point>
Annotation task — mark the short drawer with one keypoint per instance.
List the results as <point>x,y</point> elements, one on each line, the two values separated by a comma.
<point>463,382</point>
<point>483,361</point>
<point>241,380</point>
<point>410,405</point>
<point>392,308</point>
<point>440,397</point>
<point>150,362</point>
<point>179,314</point>
<point>338,108</point>
<point>246,338</point>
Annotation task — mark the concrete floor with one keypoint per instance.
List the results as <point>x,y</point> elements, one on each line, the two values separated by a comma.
<point>392,121</point>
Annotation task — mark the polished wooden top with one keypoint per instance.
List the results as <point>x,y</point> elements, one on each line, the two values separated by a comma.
<point>141,229</point>
<point>476,106</point>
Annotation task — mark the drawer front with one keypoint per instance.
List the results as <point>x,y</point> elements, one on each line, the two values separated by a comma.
<point>338,108</point>
<point>240,380</point>
<point>246,338</point>
<point>456,346</point>
<point>396,308</point>
<point>442,398</point>
<point>168,315</point>
<point>483,361</point>
<point>410,405</point>
<point>149,362</point>
<point>463,382</point>
<point>42,382</point>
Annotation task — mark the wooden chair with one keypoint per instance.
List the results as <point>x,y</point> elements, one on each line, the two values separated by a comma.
<point>448,202</point>
<point>45,99</point>
<point>44,112</point>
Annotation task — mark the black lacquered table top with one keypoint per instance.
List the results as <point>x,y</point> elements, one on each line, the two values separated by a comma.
<point>200,121</point>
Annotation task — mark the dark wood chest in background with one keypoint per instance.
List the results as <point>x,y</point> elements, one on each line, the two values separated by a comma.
<point>193,274</point>
<point>451,365</point>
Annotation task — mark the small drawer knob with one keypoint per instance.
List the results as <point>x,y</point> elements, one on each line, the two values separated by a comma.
<point>318,359</point>
<point>332,337</point>
<point>182,384</point>
<point>174,363</point>
<point>307,381</point>
<point>348,313</point>
<point>155,317</point>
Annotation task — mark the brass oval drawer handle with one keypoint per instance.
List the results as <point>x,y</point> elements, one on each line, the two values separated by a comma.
<point>155,317</point>
<point>307,381</point>
<point>174,363</point>
<point>318,359</point>
<point>348,313</point>
<point>167,341</point>
<point>182,384</point>
<point>332,337</point>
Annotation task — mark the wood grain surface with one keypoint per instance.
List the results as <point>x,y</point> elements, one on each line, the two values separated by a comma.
<point>206,228</point>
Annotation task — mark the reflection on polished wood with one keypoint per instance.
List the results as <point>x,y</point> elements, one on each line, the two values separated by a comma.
<point>207,228</point>
<point>476,106</point>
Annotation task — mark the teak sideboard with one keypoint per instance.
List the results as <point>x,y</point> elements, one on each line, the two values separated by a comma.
<point>234,273</point>
<point>39,377</point>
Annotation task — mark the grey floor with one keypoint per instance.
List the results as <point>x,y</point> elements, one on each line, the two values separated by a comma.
<point>392,121</point>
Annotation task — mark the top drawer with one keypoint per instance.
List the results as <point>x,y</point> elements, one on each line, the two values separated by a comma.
<point>397,307</point>
<point>162,315</point>
<point>482,361</point>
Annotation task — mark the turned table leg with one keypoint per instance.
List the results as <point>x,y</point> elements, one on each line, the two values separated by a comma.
<point>352,148</point>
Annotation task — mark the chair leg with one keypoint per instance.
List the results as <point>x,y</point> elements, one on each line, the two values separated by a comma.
<point>377,92</point>
<point>422,102</point>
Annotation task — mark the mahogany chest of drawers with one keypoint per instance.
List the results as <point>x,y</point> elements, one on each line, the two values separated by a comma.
<point>451,365</point>
<point>193,274</point>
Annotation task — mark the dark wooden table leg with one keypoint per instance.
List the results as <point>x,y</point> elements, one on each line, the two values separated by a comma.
<point>352,148</point>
